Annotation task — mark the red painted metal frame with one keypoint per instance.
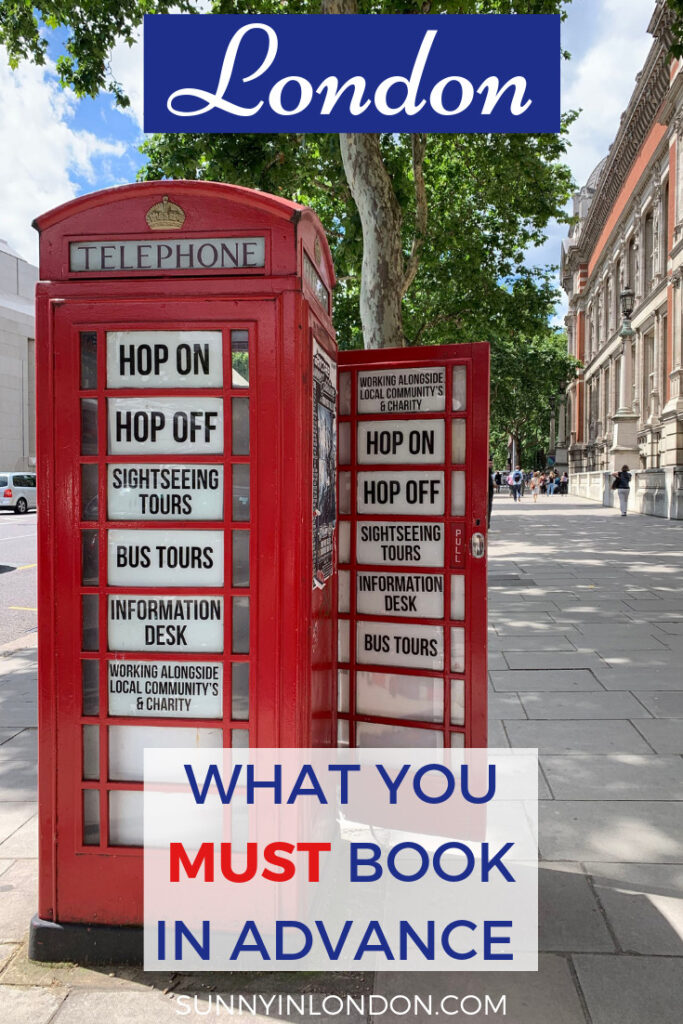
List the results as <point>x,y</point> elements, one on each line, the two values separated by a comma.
<point>103,884</point>
<point>476,359</point>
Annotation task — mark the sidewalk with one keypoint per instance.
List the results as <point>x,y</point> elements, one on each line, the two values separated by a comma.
<point>586,662</point>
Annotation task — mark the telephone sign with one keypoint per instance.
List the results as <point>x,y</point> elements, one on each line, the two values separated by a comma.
<point>187,462</point>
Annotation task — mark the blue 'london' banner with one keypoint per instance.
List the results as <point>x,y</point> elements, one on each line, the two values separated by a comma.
<point>352,73</point>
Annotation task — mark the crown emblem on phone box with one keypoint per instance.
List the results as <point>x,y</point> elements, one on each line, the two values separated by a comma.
<point>165,216</point>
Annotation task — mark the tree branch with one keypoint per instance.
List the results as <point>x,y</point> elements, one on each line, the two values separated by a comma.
<point>419,146</point>
<point>442,318</point>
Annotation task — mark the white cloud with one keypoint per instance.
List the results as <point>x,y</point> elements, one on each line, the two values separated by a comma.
<point>127,68</point>
<point>608,41</point>
<point>600,77</point>
<point>40,151</point>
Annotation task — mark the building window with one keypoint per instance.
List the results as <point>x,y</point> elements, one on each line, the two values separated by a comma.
<point>665,225</point>
<point>648,256</point>
<point>631,268</point>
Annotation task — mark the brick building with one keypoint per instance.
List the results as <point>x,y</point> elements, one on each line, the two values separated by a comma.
<point>626,405</point>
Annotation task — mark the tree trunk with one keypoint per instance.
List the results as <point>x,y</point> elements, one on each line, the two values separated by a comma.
<point>382,271</point>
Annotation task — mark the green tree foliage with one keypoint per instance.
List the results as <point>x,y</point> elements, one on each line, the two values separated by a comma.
<point>677,28</point>
<point>527,375</point>
<point>489,197</point>
<point>470,205</point>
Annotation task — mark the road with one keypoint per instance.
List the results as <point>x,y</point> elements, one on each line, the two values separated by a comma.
<point>17,575</point>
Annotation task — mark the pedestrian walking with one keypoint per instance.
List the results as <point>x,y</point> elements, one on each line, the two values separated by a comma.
<point>564,483</point>
<point>535,486</point>
<point>622,485</point>
<point>498,481</point>
<point>516,479</point>
<point>551,483</point>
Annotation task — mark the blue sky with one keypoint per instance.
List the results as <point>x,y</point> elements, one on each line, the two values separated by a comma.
<point>55,147</point>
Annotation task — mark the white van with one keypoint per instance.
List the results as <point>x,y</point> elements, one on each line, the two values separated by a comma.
<point>17,491</point>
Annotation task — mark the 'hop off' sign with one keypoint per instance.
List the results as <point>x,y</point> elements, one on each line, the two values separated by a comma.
<point>352,73</point>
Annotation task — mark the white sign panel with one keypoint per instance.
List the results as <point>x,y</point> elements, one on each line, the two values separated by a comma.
<point>165,426</point>
<point>401,493</point>
<point>400,593</point>
<point>411,389</point>
<point>401,441</point>
<point>384,543</point>
<point>165,689</point>
<point>161,623</point>
<point>164,359</point>
<point>165,558</point>
<point>147,491</point>
<point>407,644</point>
<point>149,255</point>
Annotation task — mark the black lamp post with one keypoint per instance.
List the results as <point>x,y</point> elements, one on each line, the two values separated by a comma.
<point>627,299</point>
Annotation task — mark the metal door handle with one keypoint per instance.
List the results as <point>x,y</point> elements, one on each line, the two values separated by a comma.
<point>478,545</point>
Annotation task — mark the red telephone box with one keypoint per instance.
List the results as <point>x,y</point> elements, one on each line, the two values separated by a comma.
<point>413,492</point>
<point>186,395</point>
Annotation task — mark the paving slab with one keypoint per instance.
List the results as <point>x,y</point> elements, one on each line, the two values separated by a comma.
<point>12,817</point>
<point>18,781</point>
<point>553,660</point>
<point>23,842</point>
<point>614,777</point>
<point>18,899</point>
<point>153,1007</point>
<point>7,951</point>
<point>23,745</point>
<point>665,736</point>
<point>541,630</point>
<point>30,1005</point>
<point>631,989</point>
<point>640,677</point>
<point>505,705</point>
<point>7,734</point>
<point>613,705</point>
<point>617,633</point>
<point>573,737</point>
<point>20,713</point>
<point>496,660</point>
<point>607,647</point>
<point>525,617</point>
<point>671,628</point>
<point>497,737</point>
<point>643,904</point>
<point>570,919</point>
<point>664,704</point>
<point>530,997</point>
<point>554,642</point>
<point>607,830</point>
<point>536,680</point>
